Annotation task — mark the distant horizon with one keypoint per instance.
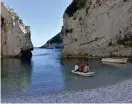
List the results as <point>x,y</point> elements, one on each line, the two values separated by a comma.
<point>45,18</point>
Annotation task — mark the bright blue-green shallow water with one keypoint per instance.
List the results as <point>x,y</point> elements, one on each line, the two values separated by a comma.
<point>44,73</point>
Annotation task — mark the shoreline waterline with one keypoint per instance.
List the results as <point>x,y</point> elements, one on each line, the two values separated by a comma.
<point>92,57</point>
<point>113,93</point>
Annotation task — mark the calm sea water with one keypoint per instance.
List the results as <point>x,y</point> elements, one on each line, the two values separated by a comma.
<point>44,73</point>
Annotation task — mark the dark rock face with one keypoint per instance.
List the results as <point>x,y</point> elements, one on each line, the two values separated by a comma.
<point>26,54</point>
<point>2,21</point>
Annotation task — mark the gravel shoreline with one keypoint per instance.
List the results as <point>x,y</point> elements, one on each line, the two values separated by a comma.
<point>118,93</point>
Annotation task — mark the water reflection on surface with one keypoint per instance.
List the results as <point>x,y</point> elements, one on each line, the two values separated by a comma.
<point>45,73</point>
<point>16,74</point>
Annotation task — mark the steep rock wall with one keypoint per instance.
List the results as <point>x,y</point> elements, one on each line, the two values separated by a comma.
<point>98,28</point>
<point>15,35</point>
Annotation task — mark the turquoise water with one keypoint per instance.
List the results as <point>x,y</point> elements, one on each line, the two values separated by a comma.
<point>44,73</point>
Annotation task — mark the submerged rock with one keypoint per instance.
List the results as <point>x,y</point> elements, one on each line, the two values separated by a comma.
<point>15,35</point>
<point>98,28</point>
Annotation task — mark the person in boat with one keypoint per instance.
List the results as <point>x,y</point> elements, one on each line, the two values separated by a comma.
<point>82,66</point>
<point>86,68</point>
<point>77,67</point>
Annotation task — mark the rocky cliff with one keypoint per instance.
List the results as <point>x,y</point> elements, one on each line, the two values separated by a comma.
<point>98,28</point>
<point>55,42</point>
<point>15,35</point>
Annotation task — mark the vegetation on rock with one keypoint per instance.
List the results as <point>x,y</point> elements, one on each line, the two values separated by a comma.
<point>56,39</point>
<point>20,21</point>
<point>74,6</point>
<point>83,54</point>
<point>126,41</point>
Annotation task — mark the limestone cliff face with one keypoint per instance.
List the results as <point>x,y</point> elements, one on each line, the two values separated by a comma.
<point>15,36</point>
<point>98,28</point>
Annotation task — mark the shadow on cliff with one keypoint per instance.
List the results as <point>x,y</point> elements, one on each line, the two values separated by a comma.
<point>26,55</point>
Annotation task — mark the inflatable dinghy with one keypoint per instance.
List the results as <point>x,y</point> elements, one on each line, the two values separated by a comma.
<point>89,74</point>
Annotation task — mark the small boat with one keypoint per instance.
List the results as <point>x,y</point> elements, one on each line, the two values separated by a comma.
<point>89,74</point>
<point>115,60</point>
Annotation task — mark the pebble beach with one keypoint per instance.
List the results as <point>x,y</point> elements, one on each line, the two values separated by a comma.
<point>121,92</point>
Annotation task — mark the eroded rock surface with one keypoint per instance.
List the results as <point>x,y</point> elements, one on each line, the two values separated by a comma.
<point>15,35</point>
<point>98,28</point>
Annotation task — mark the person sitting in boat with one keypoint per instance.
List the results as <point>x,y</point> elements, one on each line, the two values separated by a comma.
<point>82,66</point>
<point>86,68</point>
<point>77,67</point>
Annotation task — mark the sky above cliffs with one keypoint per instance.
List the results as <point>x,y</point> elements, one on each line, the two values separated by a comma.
<point>43,16</point>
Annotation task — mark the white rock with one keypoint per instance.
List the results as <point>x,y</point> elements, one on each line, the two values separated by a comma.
<point>15,36</point>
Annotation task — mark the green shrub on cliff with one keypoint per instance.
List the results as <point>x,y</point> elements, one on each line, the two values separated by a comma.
<point>83,54</point>
<point>56,39</point>
<point>74,6</point>
<point>126,41</point>
<point>20,21</point>
<point>16,18</point>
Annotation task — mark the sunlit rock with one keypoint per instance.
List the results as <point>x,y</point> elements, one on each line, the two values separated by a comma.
<point>15,35</point>
<point>98,28</point>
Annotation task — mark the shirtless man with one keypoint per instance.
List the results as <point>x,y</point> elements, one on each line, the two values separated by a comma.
<point>86,68</point>
<point>82,66</point>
